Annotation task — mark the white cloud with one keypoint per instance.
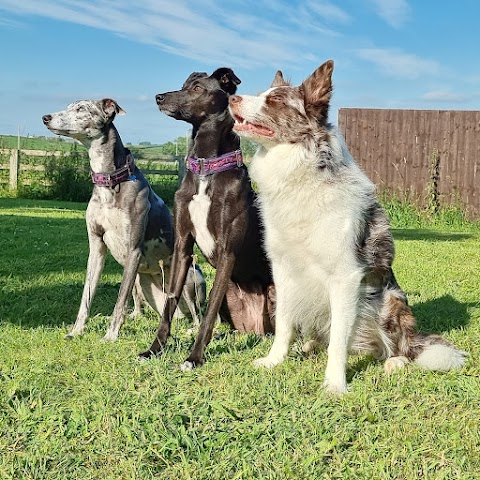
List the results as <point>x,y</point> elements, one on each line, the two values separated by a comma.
<point>201,30</point>
<point>394,12</point>
<point>397,63</point>
<point>329,12</point>
<point>9,23</point>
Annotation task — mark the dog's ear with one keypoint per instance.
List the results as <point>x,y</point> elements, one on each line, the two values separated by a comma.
<point>111,108</point>
<point>317,90</point>
<point>227,79</point>
<point>279,81</point>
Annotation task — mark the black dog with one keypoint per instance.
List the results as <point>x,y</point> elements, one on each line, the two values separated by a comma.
<point>215,207</point>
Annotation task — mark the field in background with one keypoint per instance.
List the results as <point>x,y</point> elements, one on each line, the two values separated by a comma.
<point>143,152</point>
<point>89,409</point>
<point>36,143</point>
<point>44,174</point>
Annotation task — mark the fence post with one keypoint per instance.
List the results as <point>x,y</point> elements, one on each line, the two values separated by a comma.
<point>14,168</point>
<point>181,169</point>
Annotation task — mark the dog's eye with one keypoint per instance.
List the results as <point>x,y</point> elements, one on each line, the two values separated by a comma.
<point>197,88</point>
<point>80,108</point>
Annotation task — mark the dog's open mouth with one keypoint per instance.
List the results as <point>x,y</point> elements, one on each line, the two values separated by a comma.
<point>242,125</point>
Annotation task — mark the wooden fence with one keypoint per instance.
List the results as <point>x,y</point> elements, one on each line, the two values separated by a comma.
<point>16,167</point>
<point>427,155</point>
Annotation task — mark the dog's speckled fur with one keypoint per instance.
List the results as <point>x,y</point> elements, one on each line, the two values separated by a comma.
<point>328,239</point>
<point>129,219</point>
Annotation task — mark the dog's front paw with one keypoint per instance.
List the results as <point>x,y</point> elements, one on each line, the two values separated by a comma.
<point>147,355</point>
<point>265,362</point>
<point>189,364</point>
<point>395,363</point>
<point>110,336</point>
<point>72,334</point>
<point>337,389</point>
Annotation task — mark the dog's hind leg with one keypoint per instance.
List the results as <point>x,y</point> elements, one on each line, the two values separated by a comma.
<point>128,279</point>
<point>248,308</point>
<point>138,298</point>
<point>96,261</point>
<point>153,290</point>
<point>181,260</point>
<point>193,296</point>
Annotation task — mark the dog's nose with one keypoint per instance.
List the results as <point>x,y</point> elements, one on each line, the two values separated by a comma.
<point>235,98</point>
<point>160,98</point>
<point>46,119</point>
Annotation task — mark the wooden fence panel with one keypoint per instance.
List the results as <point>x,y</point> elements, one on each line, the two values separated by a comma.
<point>398,150</point>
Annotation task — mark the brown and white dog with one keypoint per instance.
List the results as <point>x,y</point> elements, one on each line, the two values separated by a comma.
<point>328,239</point>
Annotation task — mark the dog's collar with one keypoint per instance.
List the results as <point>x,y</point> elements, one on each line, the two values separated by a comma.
<point>120,175</point>
<point>209,166</point>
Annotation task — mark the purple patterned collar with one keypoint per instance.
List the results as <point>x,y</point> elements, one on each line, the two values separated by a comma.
<point>209,166</point>
<point>120,175</point>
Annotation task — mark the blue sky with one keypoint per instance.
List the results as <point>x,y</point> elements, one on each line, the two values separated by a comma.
<point>387,53</point>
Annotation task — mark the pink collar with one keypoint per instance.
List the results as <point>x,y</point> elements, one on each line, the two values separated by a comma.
<point>209,166</point>
<point>120,175</point>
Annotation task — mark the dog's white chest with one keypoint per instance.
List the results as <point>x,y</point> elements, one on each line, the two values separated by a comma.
<point>198,208</point>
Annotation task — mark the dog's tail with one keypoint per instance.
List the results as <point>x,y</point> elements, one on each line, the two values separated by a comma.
<point>431,352</point>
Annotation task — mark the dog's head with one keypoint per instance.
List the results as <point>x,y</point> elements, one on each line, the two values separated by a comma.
<point>84,119</point>
<point>283,113</point>
<point>200,97</point>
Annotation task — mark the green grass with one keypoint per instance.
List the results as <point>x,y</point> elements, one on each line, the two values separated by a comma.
<point>86,409</point>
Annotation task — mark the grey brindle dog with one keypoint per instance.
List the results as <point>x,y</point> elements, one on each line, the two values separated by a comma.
<point>124,215</point>
<point>215,208</point>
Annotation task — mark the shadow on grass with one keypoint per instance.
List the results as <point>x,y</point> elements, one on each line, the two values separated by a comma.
<point>53,306</point>
<point>41,245</point>
<point>41,278</point>
<point>433,235</point>
<point>442,314</point>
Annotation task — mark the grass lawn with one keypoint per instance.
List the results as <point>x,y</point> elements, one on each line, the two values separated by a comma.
<point>86,409</point>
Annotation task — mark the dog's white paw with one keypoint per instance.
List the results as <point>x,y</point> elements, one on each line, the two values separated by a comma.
<point>395,363</point>
<point>192,331</point>
<point>265,362</point>
<point>72,334</point>
<point>337,389</point>
<point>187,366</point>
<point>110,336</point>
<point>310,346</point>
